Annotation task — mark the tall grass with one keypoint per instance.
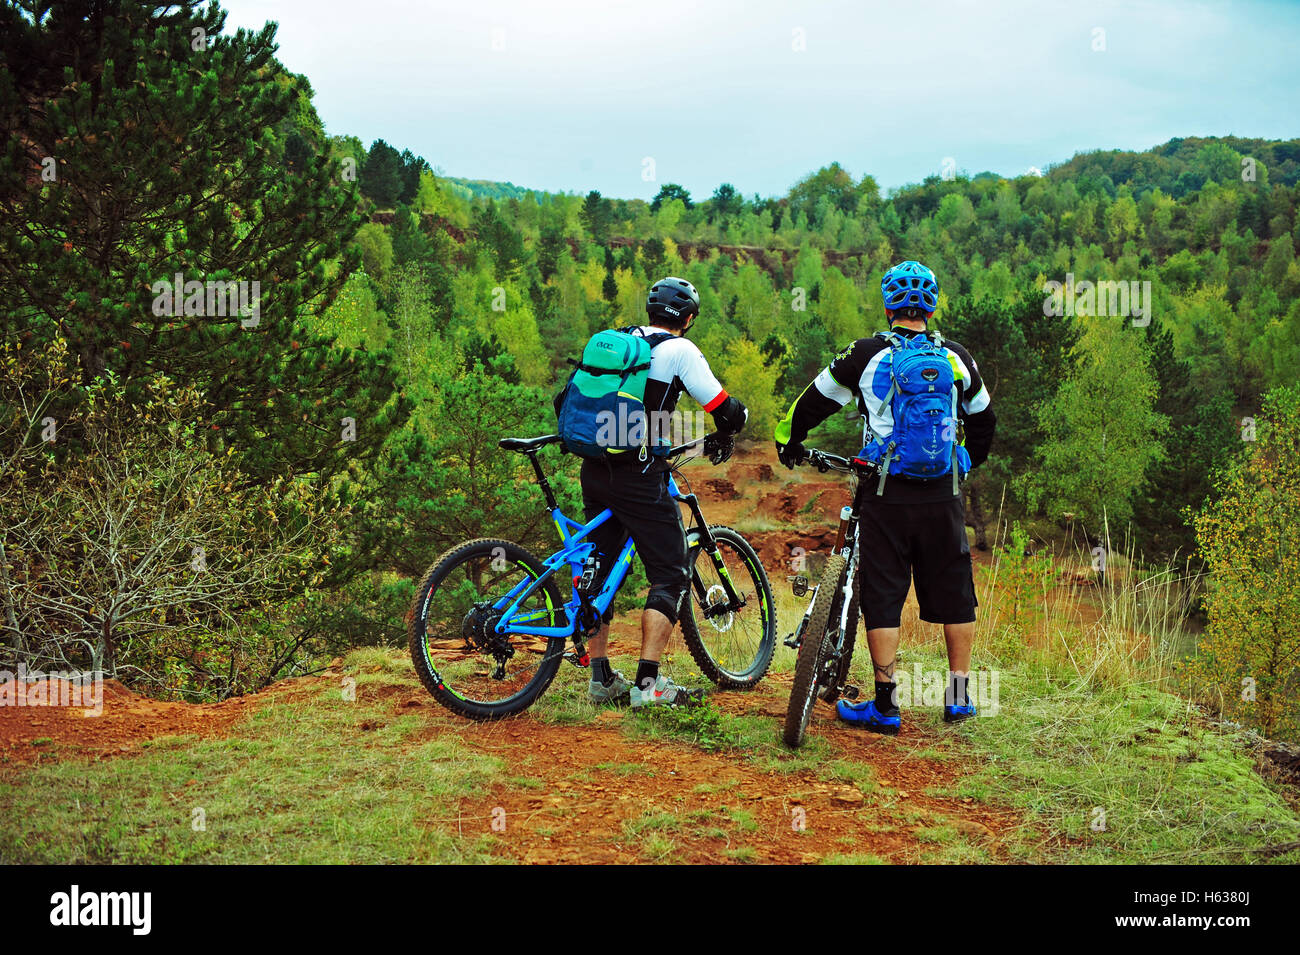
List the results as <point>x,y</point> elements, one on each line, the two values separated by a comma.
<point>1088,736</point>
<point>1100,610</point>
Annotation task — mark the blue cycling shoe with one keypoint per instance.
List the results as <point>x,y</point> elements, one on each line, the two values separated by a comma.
<point>866,715</point>
<point>955,714</point>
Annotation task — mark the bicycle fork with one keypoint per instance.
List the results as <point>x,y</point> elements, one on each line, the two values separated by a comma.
<point>707,541</point>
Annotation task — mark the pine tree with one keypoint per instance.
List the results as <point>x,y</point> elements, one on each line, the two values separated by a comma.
<point>142,147</point>
<point>381,179</point>
<point>597,217</point>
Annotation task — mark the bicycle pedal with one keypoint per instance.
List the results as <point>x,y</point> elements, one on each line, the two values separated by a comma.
<point>850,692</point>
<point>582,662</point>
<point>792,642</point>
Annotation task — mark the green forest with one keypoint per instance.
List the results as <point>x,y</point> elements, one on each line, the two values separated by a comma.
<point>204,503</point>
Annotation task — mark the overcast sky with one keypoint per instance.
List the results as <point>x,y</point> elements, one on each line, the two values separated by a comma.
<point>569,96</point>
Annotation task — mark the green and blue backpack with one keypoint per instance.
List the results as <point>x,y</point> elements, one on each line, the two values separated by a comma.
<point>602,410</point>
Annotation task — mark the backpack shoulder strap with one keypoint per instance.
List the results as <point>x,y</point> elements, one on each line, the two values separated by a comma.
<point>652,340</point>
<point>892,340</point>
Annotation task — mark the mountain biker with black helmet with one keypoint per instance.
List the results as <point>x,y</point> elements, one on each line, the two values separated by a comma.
<point>911,527</point>
<point>635,489</point>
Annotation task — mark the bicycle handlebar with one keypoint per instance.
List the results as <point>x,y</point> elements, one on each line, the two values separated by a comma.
<point>824,461</point>
<point>683,448</point>
<point>531,445</point>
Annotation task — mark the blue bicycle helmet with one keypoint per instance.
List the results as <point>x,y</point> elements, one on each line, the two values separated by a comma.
<point>910,284</point>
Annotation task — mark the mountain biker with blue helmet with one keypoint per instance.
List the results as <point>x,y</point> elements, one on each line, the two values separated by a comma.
<point>912,528</point>
<point>635,489</point>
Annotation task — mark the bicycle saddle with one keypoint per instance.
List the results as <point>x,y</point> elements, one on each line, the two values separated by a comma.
<point>527,445</point>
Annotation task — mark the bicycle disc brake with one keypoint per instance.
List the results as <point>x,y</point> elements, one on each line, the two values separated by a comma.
<point>716,609</point>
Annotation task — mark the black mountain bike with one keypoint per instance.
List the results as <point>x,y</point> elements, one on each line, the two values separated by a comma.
<point>828,630</point>
<point>490,621</point>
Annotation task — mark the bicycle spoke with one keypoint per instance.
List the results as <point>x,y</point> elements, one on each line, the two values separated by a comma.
<point>733,637</point>
<point>472,660</point>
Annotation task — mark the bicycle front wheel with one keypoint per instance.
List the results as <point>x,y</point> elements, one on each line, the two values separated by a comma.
<point>831,691</point>
<point>732,641</point>
<point>460,658</point>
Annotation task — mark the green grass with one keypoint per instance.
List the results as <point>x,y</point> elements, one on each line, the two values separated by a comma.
<point>659,831</point>
<point>652,820</point>
<point>857,858</point>
<point>298,782</point>
<point>753,524</point>
<point>940,834</point>
<point>626,769</point>
<point>1079,729</point>
<point>1172,789</point>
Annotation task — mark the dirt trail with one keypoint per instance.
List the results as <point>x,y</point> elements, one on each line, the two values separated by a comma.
<point>124,721</point>
<point>605,795</point>
<point>590,793</point>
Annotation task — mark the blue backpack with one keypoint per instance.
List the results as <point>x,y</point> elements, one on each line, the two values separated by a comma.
<point>926,441</point>
<point>601,410</point>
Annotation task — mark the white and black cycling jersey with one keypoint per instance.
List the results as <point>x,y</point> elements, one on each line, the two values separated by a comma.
<point>863,371</point>
<point>677,365</point>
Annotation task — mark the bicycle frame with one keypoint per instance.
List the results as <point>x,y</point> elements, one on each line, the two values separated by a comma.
<point>850,552</point>
<point>575,549</point>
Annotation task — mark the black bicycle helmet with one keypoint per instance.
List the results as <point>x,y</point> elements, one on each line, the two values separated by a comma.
<point>672,299</point>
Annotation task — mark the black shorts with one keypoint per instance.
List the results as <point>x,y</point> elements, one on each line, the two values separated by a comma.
<point>641,506</point>
<point>925,541</point>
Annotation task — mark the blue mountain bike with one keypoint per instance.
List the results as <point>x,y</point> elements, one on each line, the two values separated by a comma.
<point>490,622</point>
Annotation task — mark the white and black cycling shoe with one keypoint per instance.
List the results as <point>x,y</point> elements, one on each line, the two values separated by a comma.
<point>615,692</point>
<point>665,693</point>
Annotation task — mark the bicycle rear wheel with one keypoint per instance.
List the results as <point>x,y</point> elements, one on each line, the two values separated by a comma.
<point>468,667</point>
<point>814,650</point>
<point>732,643</point>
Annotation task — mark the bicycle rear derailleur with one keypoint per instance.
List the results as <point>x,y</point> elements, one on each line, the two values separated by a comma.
<point>479,631</point>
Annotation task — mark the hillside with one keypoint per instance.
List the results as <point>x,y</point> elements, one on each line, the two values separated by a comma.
<point>298,773</point>
<point>254,377</point>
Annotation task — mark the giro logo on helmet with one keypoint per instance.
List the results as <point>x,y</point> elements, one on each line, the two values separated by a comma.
<point>672,298</point>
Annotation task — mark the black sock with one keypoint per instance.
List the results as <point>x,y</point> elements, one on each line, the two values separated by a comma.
<point>647,674</point>
<point>885,697</point>
<point>957,690</point>
<point>600,671</point>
